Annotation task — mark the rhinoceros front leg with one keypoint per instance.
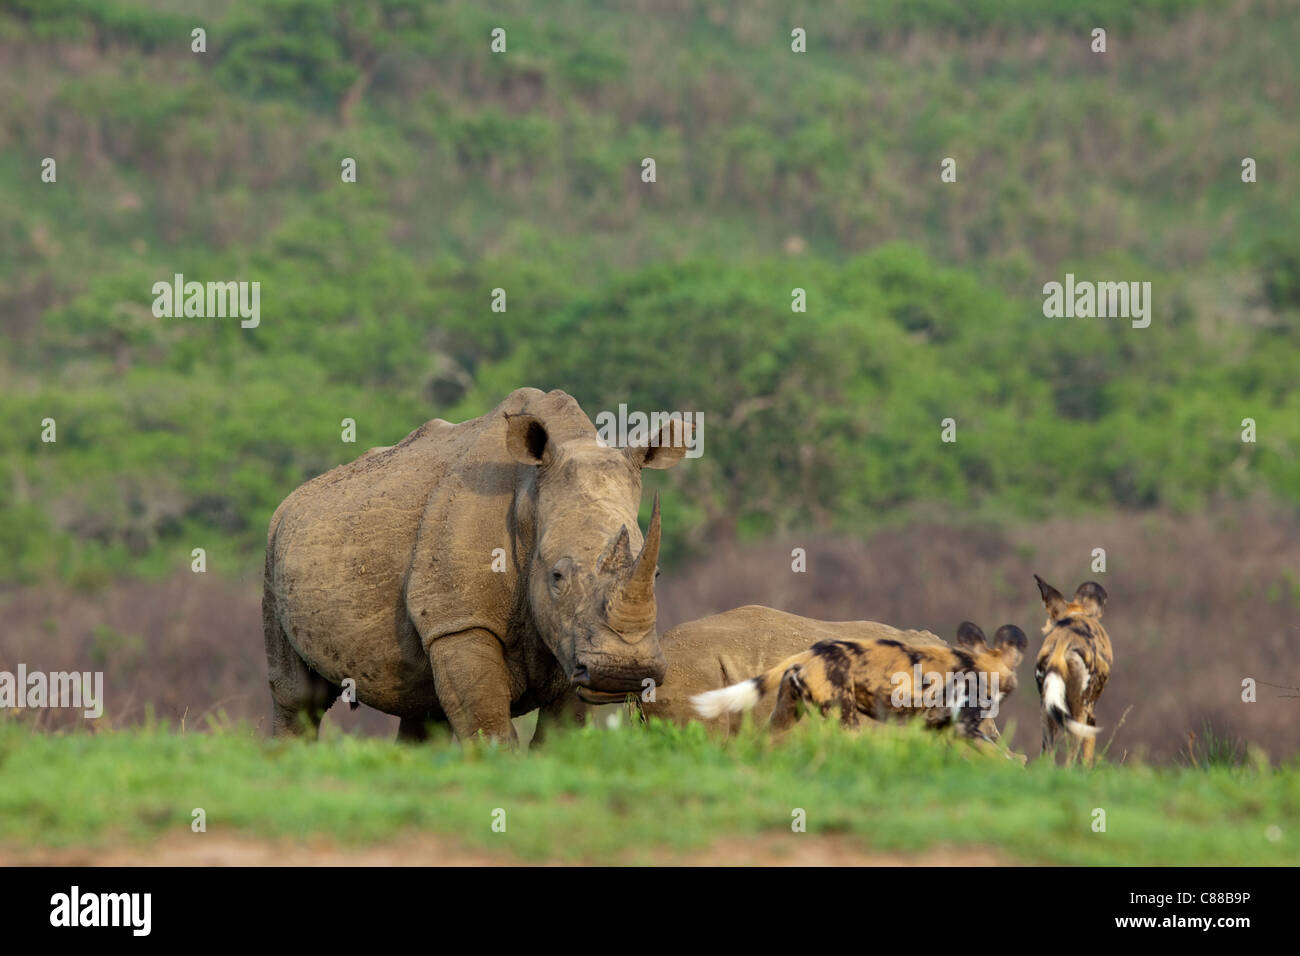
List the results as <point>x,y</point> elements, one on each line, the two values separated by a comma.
<point>473,685</point>
<point>563,712</point>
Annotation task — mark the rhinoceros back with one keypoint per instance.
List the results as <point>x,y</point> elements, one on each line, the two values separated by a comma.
<point>339,549</point>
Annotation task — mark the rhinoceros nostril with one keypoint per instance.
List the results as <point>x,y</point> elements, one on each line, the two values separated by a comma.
<point>581,676</point>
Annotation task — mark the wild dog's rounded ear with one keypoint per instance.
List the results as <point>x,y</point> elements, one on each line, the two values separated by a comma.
<point>969,635</point>
<point>1009,635</point>
<point>526,439</point>
<point>1052,599</point>
<point>1092,597</point>
<point>664,449</point>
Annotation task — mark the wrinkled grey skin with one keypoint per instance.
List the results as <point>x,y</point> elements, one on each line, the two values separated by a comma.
<point>381,572</point>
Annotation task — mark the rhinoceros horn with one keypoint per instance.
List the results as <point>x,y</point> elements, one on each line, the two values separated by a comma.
<point>631,609</point>
<point>617,557</point>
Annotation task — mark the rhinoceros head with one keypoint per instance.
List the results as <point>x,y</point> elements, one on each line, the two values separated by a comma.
<point>590,575</point>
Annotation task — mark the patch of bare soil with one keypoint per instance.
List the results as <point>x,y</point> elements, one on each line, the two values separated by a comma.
<point>779,849</point>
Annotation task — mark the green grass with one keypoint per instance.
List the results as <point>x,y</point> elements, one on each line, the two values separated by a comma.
<point>638,795</point>
<point>520,171</point>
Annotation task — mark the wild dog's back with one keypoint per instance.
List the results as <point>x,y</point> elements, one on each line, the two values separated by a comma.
<point>729,647</point>
<point>861,676</point>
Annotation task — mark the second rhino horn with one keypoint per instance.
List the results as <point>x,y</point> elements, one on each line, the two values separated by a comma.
<point>617,557</point>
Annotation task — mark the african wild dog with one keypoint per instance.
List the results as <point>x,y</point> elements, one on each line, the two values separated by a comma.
<point>1073,666</point>
<point>724,648</point>
<point>878,677</point>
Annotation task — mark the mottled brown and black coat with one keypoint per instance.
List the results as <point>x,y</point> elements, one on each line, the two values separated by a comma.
<point>720,649</point>
<point>877,678</point>
<point>1073,666</point>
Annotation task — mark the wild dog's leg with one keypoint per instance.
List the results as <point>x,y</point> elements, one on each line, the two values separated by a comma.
<point>1089,743</point>
<point>850,719</point>
<point>473,684</point>
<point>1049,738</point>
<point>788,698</point>
<point>968,723</point>
<point>299,696</point>
<point>1071,749</point>
<point>877,705</point>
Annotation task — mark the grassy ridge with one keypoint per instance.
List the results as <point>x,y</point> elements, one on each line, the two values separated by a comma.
<point>520,171</point>
<point>602,795</point>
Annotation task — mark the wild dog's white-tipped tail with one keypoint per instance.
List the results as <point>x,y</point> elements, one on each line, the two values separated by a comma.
<point>727,700</point>
<point>1054,695</point>
<point>1080,730</point>
<point>1054,705</point>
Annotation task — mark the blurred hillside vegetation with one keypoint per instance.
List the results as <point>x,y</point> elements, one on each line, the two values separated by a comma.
<point>521,171</point>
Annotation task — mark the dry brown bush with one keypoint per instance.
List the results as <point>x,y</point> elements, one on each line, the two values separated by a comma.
<point>1196,605</point>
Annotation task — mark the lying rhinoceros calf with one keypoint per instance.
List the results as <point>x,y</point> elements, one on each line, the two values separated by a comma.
<point>730,647</point>
<point>470,573</point>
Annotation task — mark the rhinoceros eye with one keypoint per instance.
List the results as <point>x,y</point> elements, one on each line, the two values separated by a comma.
<point>560,573</point>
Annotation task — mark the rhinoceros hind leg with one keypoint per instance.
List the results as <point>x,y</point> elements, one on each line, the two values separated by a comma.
<point>299,696</point>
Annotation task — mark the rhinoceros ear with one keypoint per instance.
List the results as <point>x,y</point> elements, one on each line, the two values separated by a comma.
<point>526,439</point>
<point>665,449</point>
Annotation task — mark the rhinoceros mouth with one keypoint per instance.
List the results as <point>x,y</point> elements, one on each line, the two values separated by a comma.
<point>603,696</point>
